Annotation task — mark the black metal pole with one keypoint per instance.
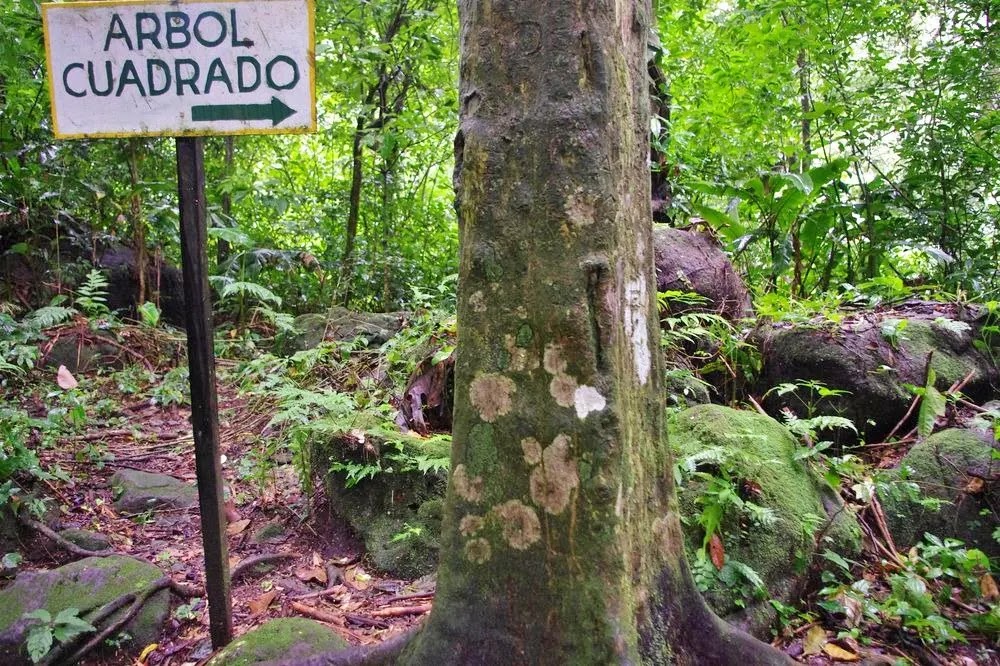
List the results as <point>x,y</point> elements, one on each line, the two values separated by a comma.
<point>204,404</point>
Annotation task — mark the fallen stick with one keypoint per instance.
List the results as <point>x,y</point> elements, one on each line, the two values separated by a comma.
<point>318,614</point>
<point>401,611</point>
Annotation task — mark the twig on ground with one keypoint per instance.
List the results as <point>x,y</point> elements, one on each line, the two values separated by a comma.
<point>401,611</point>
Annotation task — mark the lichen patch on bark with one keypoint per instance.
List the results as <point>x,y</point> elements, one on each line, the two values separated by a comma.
<point>587,399</point>
<point>553,482</point>
<point>478,302</point>
<point>470,524</point>
<point>520,524</point>
<point>490,395</point>
<point>521,359</point>
<point>562,388</point>
<point>478,551</point>
<point>637,328</point>
<point>554,362</point>
<point>580,209</point>
<point>471,490</point>
<point>532,450</point>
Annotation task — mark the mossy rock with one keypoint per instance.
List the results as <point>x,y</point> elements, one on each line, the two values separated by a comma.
<point>88,585</point>
<point>757,454</point>
<point>287,638</point>
<point>396,513</point>
<point>871,357</point>
<point>958,468</point>
<point>341,324</point>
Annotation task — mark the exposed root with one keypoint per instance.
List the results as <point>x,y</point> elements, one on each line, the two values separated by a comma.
<point>63,543</point>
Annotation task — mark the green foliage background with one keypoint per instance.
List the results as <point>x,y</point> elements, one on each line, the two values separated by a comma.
<point>826,143</point>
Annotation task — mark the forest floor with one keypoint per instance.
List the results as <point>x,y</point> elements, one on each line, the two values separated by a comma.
<point>308,564</point>
<point>313,568</point>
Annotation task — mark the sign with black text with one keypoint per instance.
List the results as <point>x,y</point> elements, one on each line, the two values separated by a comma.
<point>186,67</point>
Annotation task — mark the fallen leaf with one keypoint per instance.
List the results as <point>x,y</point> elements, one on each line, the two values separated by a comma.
<point>717,551</point>
<point>988,586</point>
<point>235,528</point>
<point>838,653</point>
<point>357,577</point>
<point>146,651</point>
<point>260,604</point>
<point>65,379</point>
<point>307,574</point>
<point>317,559</point>
<point>975,486</point>
<point>814,641</point>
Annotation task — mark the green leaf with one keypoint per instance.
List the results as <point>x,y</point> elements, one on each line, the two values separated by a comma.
<point>932,405</point>
<point>39,642</point>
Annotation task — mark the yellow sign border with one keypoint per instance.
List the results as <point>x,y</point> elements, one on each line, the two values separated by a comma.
<point>310,51</point>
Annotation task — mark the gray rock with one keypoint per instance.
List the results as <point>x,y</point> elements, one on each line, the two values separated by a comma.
<point>272,532</point>
<point>87,585</point>
<point>86,539</point>
<point>137,491</point>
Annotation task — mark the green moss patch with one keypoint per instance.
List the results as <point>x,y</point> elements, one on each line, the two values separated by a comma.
<point>287,638</point>
<point>752,456</point>
<point>948,485</point>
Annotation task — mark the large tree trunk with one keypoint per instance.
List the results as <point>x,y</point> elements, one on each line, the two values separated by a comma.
<point>561,541</point>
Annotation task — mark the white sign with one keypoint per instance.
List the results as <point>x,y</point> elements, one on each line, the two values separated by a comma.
<point>181,67</point>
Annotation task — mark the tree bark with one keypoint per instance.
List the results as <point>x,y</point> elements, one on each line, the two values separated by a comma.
<point>561,541</point>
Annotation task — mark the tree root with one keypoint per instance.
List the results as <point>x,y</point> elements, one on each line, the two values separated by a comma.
<point>67,653</point>
<point>264,558</point>
<point>63,543</point>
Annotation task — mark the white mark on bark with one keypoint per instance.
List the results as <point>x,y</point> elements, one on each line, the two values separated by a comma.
<point>620,502</point>
<point>636,327</point>
<point>587,399</point>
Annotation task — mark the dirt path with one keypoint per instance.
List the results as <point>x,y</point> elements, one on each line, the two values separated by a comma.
<point>321,572</point>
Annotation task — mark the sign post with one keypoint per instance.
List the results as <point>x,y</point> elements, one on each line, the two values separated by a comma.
<point>186,68</point>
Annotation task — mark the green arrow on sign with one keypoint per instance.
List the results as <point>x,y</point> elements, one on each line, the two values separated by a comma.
<point>275,111</point>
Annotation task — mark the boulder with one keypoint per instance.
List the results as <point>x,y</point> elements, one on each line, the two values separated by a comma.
<point>957,471</point>
<point>85,351</point>
<point>694,262</point>
<point>165,281</point>
<point>870,356</point>
<point>343,325</point>
<point>795,513</point>
<point>137,491</point>
<point>396,510</point>
<point>87,585</point>
<point>287,638</point>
